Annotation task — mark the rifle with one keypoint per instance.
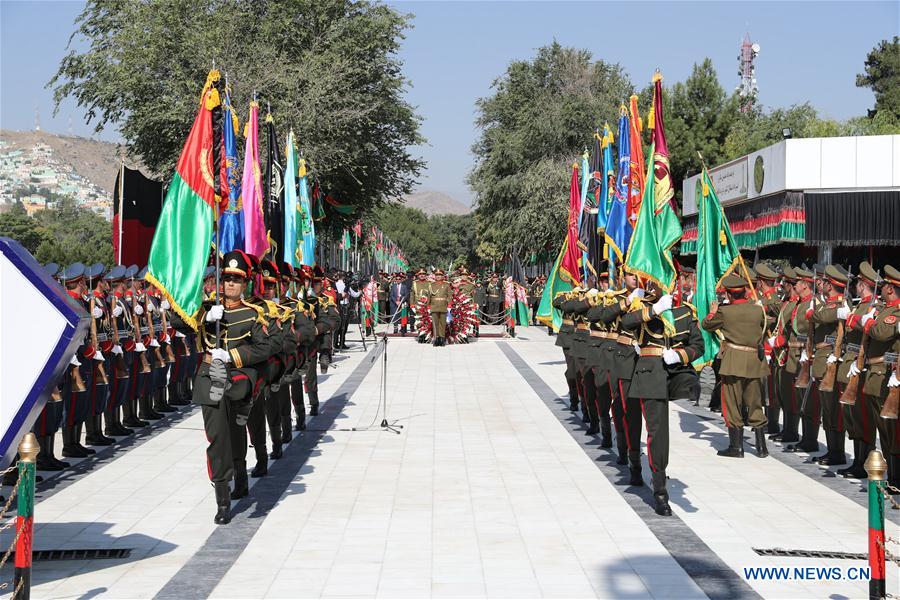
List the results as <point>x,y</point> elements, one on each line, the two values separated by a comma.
<point>101,369</point>
<point>152,331</point>
<point>118,359</point>
<point>170,355</point>
<point>803,377</point>
<point>145,364</point>
<point>892,402</point>
<point>848,396</point>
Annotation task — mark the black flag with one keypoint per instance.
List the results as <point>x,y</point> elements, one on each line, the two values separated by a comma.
<point>273,206</point>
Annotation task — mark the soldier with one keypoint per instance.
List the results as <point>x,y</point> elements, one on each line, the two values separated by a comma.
<point>781,353</point>
<point>767,280</point>
<point>278,401</point>
<point>564,341</point>
<point>537,291</point>
<point>305,329</point>
<point>384,284</point>
<point>880,325</point>
<point>120,373</point>
<point>577,306</point>
<point>438,294</point>
<point>494,297</point>
<point>601,352</point>
<point>157,307</point>
<point>98,393</point>
<point>743,325</point>
<point>826,324</point>
<point>662,372</point>
<point>234,340</point>
<point>480,298</point>
<point>326,320</point>
<point>807,399</point>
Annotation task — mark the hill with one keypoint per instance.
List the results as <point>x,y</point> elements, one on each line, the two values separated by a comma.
<point>435,203</point>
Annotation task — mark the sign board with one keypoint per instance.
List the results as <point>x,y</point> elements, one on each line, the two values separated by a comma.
<point>41,327</point>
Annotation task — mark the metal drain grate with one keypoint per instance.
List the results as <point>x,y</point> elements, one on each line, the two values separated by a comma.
<point>81,554</point>
<point>810,554</point>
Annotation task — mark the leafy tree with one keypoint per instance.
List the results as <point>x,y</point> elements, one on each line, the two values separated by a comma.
<point>16,224</point>
<point>435,240</point>
<point>882,75</point>
<point>328,68</point>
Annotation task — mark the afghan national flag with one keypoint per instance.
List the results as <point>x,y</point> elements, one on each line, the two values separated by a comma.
<point>717,256</point>
<point>340,207</point>
<point>357,228</point>
<point>547,314</point>
<point>568,267</point>
<point>273,209</point>
<point>181,245</point>
<point>318,210</point>
<point>255,241</point>
<point>137,204</point>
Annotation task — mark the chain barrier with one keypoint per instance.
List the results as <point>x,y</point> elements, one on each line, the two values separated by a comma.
<point>889,491</point>
<point>10,523</point>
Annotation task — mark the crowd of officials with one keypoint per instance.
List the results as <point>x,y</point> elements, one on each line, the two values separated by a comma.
<point>800,350</point>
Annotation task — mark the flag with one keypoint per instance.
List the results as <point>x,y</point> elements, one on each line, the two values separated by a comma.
<point>607,191</point>
<point>291,205</point>
<point>274,192</point>
<point>593,222</point>
<point>357,229</point>
<point>547,314</point>
<point>345,240</point>
<point>618,229</point>
<point>137,204</point>
<point>515,297</point>
<point>338,206</point>
<point>231,221</point>
<point>180,248</point>
<point>255,241</point>
<point>636,164</point>
<point>306,237</point>
<point>568,267</point>
<point>318,211</point>
<point>717,256</point>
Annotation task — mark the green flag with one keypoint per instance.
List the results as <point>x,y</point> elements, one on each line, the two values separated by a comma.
<point>717,256</point>
<point>546,314</point>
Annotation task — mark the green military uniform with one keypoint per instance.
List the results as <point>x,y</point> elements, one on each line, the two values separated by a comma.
<point>772,304</point>
<point>577,305</point>
<point>784,379</point>
<point>809,411</point>
<point>601,353</point>
<point>494,298</point>
<point>743,325</point>
<point>419,288</point>
<point>662,372</point>
<point>438,294</point>
<point>564,341</point>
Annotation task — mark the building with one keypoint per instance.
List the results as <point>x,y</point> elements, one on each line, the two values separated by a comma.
<point>811,199</point>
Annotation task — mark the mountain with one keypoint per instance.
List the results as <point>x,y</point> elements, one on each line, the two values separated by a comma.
<point>435,203</point>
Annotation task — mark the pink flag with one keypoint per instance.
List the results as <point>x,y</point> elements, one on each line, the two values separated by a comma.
<point>255,240</point>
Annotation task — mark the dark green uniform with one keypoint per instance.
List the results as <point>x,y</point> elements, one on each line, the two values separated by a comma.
<point>786,373</point>
<point>772,303</point>
<point>494,297</point>
<point>438,294</point>
<point>564,341</point>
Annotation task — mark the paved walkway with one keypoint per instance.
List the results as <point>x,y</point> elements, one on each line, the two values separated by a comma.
<point>488,487</point>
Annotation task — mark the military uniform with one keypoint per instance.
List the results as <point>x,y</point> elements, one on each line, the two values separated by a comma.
<point>493,301</point>
<point>438,294</point>
<point>577,306</point>
<point>51,416</point>
<point>101,367</point>
<point>772,304</point>
<point>784,377</point>
<point>77,400</point>
<point>810,409</point>
<point>743,326</point>
<point>564,341</point>
<point>663,372</point>
<point>417,290</point>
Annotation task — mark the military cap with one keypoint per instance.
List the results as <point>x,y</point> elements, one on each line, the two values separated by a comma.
<point>73,272</point>
<point>687,270</point>
<point>836,276</point>
<point>131,271</point>
<point>764,271</point>
<point>751,273</point>
<point>269,271</point>
<point>734,282</point>
<point>891,275</point>
<point>868,274</point>
<point>790,275</point>
<point>285,270</point>
<point>51,269</point>
<point>142,273</point>
<point>94,271</point>
<point>804,275</point>
<point>116,273</point>
<point>819,269</point>
<point>209,272</point>
<point>441,272</point>
<point>236,263</point>
<point>318,274</point>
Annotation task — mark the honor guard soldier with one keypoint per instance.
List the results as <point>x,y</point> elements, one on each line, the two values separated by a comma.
<point>76,398</point>
<point>564,341</point>
<point>494,297</point>
<point>326,319</point>
<point>234,339</point>
<point>743,327</point>
<point>307,334</point>
<point>767,281</point>
<point>826,321</point>
<point>120,356</point>
<point>663,372</point>
<point>140,364</point>
<point>157,308</point>
<point>601,352</point>
<point>577,305</point>
<point>857,420</point>
<point>98,394</point>
<point>278,401</point>
<point>785,373</point>
<point>438,294</point>
<point>799,357</point>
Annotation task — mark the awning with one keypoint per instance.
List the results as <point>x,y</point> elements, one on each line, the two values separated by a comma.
<point>858,218</point>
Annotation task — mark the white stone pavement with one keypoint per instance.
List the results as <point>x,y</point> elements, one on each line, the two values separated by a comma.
<point>484,493</point>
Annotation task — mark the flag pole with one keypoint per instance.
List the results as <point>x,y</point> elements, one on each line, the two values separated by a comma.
<point>121,209</point>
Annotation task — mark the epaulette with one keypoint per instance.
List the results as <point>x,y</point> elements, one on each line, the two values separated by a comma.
<point>692,307</point>
<point>260,312</point>
<point>273,309</point>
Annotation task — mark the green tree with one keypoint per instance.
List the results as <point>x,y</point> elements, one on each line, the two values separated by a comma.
<point>328,68</point>
<point>16,224</point>
<point>882,75</point>
<point>540,118</point>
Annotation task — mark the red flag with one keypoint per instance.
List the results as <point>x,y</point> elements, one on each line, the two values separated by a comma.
<point>636,168</point>
<point>568,268</point>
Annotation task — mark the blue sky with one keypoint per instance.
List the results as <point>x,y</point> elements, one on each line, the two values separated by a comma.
<point>810,51</point>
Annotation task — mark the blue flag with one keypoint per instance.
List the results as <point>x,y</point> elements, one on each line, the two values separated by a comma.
<point>306,237</point>
<point>618,229</point>
<point>231,221</point>
<point>290,203</point>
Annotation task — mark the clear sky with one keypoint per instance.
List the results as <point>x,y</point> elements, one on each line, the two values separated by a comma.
<point>810,51</point>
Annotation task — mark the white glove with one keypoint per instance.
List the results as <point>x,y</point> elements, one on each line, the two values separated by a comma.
<point>97,312</point>
<point>771,341</point>
<point>662,305</point>
<point>768,358</point>
<point>118,310</point>
<point>215,313</point>
<point>842,313</point>
<point>831,359</point>
<point>637,293</point>
<point>178,334</point>
<point>637,349</point>
<point>154,343</point>
<point>867,317</point>
<point>893,381</point>
<point>671,357</point>
<point>220,355</point>
<point>138,309</point>
<point>165,304</point>
<point>139,347</point>
<point>593,292</point>
<point>854,370</point>
<point>117,349</point>
<point>99,356</point>
<point>804,357</point>
<point>75,362</point>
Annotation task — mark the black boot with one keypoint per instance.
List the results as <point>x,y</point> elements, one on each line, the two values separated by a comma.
<point>286,434</point>
<point>735,447</point>
<point>241,485</point>
<point>159,401</point>
<point>661,495</point>
<point>94,429</point>
<point>223,503</point>
<point>314,409</point>
<point>808,441</point>
<point>262,462</point>
<point>573,395</point>
<point>52,453</point>
<point>605,432</point>
<point>69,449</point>
<point>634,467</point>
<point>176,394</point>
<point>129,411</point>
<point>761,450</point>
<point>621,449</point>
<point>145,411</point>
<point>78,430</point>
<point>856,470</point>
<point>893,472</point>
<point>772,427</point>
<point>789,432</point>
<point>45,461</point>
<point>276,452</point>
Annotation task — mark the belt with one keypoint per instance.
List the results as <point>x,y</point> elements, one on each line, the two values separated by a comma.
<point>889,357</point>
<point>652,351</point>
<point>825,344</point>
<point>852,348</point>
<point>604,334</point>
<point>438,298</point>
<point>802,338</point>
<point>582,326</point>
<point>796,344</point>
<point>625,339</point>
<point>102,337</point>
<point>739,347</point>
<point>830,339</point>
<point>568,322</point>
<point>145,331</point>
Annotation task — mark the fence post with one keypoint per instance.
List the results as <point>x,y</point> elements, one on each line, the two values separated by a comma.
<point>28,451</point>
<point>876,467</point>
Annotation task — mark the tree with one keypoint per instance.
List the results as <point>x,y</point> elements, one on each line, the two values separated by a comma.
<point>882,75</point>
<point>540,117</point>
<point>16,224</point>
<point>328,68</point>
<point>435,240</point>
